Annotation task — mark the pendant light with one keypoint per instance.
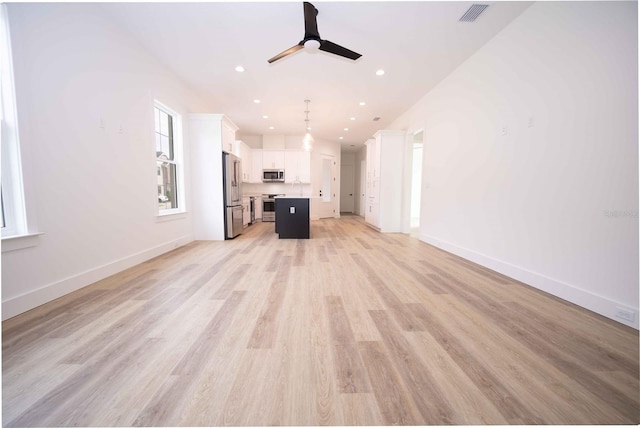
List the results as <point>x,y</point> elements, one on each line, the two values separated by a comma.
<point>307,141</point>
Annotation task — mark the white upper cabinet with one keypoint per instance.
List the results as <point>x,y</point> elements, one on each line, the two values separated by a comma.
<point>295,163</point>
<point>304,167</point>
<point>273,159</point>
<point>228,135</point>
<point>297,166</point>
<point>243,151</point>
<point>256,166</point>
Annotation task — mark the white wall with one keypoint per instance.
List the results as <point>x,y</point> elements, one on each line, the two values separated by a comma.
<point>207,183</point>
<point>394,181</point>
<point>94,188</point>
<point>531,154</point>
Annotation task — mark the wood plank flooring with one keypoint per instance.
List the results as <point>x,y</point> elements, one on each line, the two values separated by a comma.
<point>351,327</point>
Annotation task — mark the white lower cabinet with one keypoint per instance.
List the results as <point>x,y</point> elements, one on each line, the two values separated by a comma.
<point>258,208</point>
<point>246,211</point>
<point>372,215</point>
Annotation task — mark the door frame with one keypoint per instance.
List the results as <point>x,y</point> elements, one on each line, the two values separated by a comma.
<point>353,190</point>
<point>410,137</point>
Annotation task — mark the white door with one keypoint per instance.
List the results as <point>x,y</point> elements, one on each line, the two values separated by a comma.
<point>327,205</point>
<point>347,191</point>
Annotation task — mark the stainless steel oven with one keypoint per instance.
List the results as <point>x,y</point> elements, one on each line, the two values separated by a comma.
<point>269,207</point>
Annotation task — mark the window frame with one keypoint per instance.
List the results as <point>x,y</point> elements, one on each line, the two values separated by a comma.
<point>177,153</point>
<point>12,187</point>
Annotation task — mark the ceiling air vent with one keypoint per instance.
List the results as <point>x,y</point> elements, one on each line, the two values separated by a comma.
<point>474,11</point>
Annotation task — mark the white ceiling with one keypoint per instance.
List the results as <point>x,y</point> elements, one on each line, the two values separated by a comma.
<point>417,44</point>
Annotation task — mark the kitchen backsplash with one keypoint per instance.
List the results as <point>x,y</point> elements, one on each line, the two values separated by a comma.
<point>275,188</point>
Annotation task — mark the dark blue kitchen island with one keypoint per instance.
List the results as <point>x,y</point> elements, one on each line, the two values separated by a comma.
<point>292,217</point>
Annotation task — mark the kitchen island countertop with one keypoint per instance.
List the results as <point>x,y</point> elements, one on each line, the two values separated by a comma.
<point>297,197</point>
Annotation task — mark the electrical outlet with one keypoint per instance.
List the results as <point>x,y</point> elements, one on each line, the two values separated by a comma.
<point>625,314</point>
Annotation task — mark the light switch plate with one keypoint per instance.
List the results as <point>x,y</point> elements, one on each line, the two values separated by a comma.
<point>292,210</point>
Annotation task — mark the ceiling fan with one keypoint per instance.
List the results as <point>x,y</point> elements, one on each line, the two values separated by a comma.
<point>312,38</point>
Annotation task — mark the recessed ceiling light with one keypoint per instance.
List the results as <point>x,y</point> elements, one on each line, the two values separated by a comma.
<point>340,138</point>
<point>362,103</point>
<point>265,117</point>
<point>352,118</point>
<point>239,69</point>
<point>257,101</point>
<point>272,127</point>
<point>346,129</point>
<point>380,72</point>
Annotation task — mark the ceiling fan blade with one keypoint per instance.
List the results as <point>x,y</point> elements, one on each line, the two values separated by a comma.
<point>287,52</point>
<point>310,22</point>
<point>327,46</point>
<point>311,33</point>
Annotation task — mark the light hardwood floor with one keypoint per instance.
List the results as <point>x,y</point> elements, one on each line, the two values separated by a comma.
<point>351,327</point>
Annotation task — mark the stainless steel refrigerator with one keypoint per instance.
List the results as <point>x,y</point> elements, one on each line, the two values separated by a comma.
<point>232,191</point>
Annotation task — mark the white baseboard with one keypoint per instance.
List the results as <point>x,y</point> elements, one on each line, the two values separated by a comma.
<point>19,304</point>
<point>583,298</point>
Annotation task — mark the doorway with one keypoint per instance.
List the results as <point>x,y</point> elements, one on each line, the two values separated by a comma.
<point>327,205</point>
<point>347,188</point>
<point>416,182</point>
<point>363,186</point>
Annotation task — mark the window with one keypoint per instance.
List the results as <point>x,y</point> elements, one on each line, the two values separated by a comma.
<point>3,224</point>
<point>12,213</point>
<point>168,160</point>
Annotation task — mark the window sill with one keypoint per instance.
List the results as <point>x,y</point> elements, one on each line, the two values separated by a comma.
<point>19,242</point>
<point>171,215</point>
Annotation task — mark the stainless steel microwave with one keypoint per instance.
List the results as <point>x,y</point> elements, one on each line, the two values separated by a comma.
<point>273,175</point>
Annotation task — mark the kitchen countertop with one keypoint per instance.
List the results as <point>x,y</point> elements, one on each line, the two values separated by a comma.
<point>297,197</point>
